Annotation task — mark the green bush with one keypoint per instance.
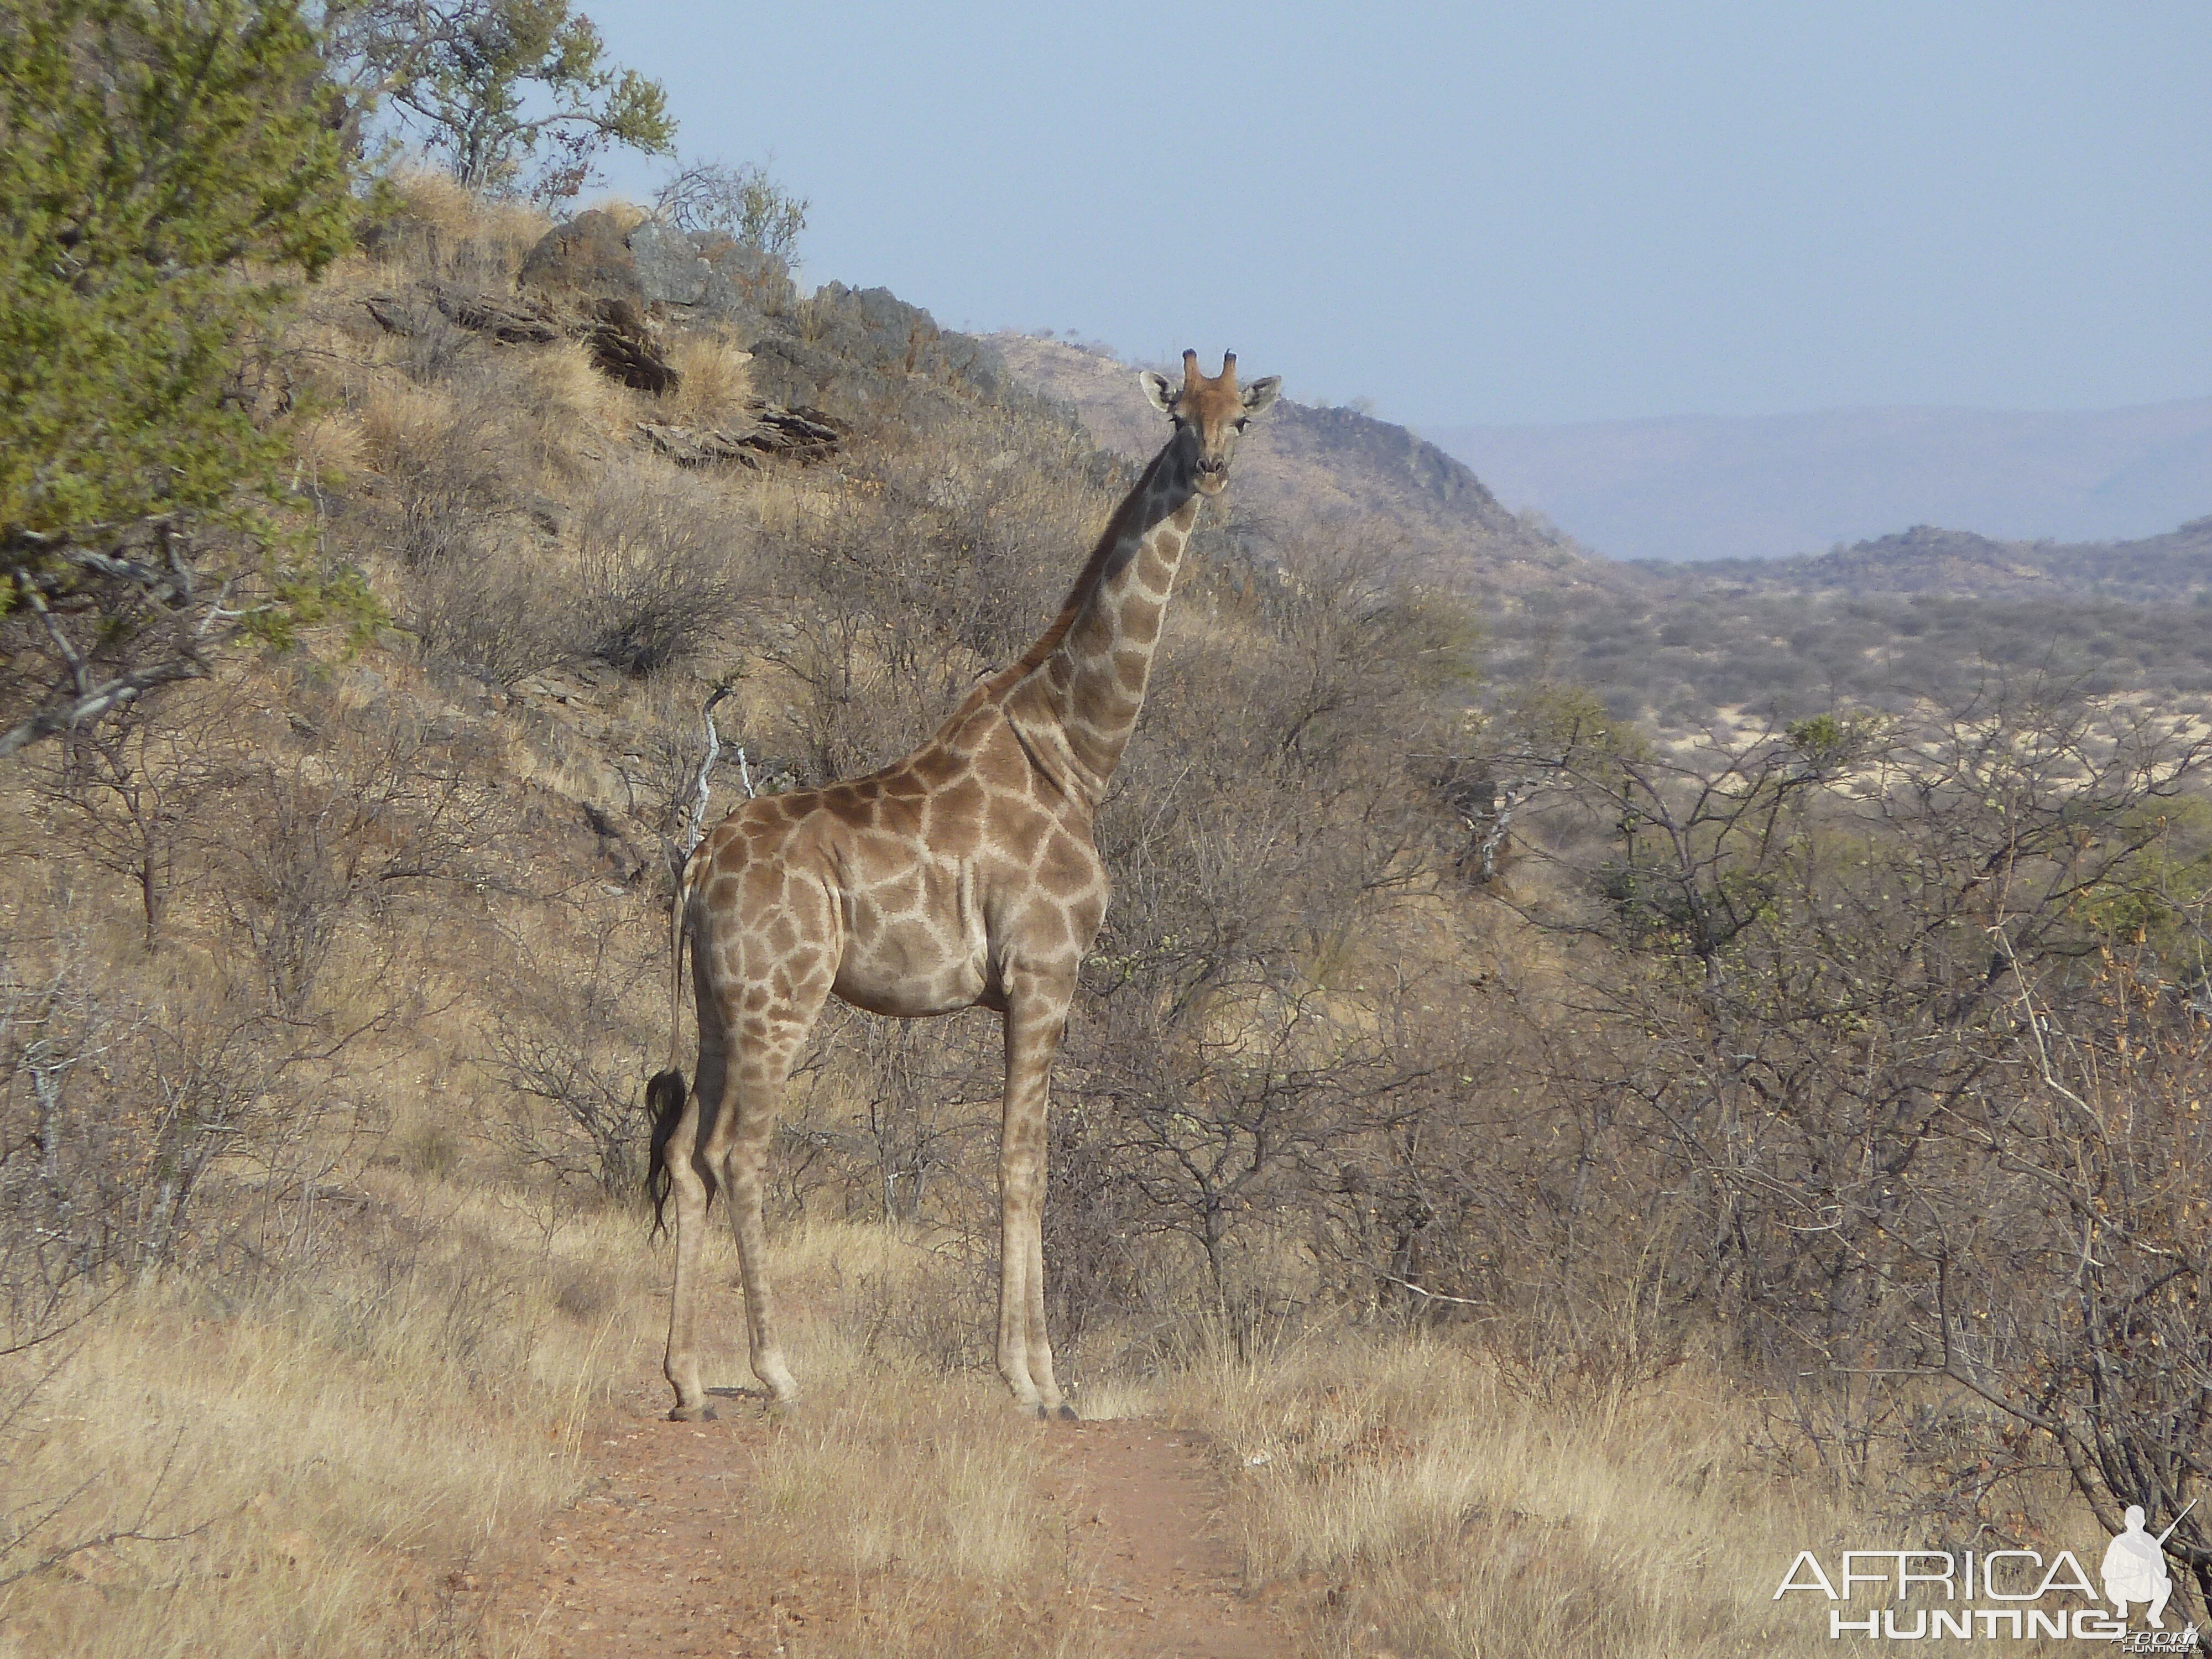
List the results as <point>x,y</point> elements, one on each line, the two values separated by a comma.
<point>165,179</point>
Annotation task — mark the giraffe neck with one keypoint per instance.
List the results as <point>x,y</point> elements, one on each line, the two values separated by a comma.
<point>1078,702</point>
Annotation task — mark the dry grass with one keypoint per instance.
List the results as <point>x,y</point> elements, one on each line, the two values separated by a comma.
<point>342,1449</point>
<point>1416,1501</point>
<point>716,381</point>
<point>572,406</point>
<point>925,1504</point>
<point>403,427</point>
<point>329,446</point>
<point>454,234</point>
<point>1432,1510</point>
<point>328,1447</point>
<point>627,215</point>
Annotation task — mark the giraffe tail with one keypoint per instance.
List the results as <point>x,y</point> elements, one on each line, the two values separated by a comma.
<point>665,1094</point>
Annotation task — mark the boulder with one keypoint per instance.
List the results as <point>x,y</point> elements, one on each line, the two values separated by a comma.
<point>766,430</point>
<point>589,262</point>
<point>790,372</point>
<point>587,257</point>
<point>670,268</point>
<point>741,279</point>
<point>709,274</point>
<point>612,287</point>
<point>625,345</point>
<point>862,345</point>
<point>514,322</point>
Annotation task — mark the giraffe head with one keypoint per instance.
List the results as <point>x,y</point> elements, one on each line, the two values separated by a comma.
<point>1208,414</point>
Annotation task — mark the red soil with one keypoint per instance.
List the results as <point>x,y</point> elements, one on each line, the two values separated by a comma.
<point>649,1563</point>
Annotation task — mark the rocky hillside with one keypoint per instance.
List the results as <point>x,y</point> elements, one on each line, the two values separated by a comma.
<point>367,937</point>
<point>725,365</point>
<point>1887,623</point>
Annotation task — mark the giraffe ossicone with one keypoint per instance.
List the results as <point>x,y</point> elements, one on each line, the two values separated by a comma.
<point>963,876</point>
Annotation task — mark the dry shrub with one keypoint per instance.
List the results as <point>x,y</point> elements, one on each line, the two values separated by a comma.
<point>571,406</point>
<point>113,1107</point>
<point>471,567</point>
<point>449,455</point>
<point>365,811</point>
<point>130,794</point>
<point>659,565</point>
<point>662,747</point>
<point>483,606</point>
<point>330,447</point>
<point>715,382</point>
<point>570,1038</point>
<point>404,426</point>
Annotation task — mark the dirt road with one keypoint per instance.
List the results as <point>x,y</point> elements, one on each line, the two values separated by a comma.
<point>654,1559</point>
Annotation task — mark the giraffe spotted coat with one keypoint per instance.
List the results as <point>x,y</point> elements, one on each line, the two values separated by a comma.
<point>963,876</point>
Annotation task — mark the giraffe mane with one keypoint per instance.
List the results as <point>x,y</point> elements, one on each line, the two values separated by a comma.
<point>1096,569</point>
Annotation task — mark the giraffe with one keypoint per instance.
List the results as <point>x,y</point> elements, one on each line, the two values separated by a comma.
<point>963,876</point>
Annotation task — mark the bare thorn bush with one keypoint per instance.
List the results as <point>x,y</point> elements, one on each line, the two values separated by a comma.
<point>657,575</point>
<point>572,1036</point>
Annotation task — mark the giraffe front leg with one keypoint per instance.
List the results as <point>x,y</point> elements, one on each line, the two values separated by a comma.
<point>1013,1270</point>
<point>1050,1402</point>
<point>1037,1015</point>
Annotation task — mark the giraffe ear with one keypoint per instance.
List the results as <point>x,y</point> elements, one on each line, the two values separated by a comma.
<point>1262,393</point>
<point>1158,393</point>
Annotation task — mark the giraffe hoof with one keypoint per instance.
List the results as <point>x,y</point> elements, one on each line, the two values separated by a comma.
<point>692,1414</point>
<point>1066,1413</point>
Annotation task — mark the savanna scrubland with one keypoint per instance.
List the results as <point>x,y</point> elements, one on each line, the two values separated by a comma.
<point>1561,1174</point>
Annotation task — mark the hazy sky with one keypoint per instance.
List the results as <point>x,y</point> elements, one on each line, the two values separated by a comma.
<point>1532,212</point>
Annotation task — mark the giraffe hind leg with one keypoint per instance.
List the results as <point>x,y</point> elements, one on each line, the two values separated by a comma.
<point>767,1044</point>
<point>691,1185</point>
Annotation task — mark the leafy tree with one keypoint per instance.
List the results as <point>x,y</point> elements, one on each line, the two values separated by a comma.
<point>165,179</point>
<point>489,85</point>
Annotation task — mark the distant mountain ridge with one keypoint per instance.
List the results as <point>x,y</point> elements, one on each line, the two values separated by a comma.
<point>1697,487</point>
<point>2176,566</point>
